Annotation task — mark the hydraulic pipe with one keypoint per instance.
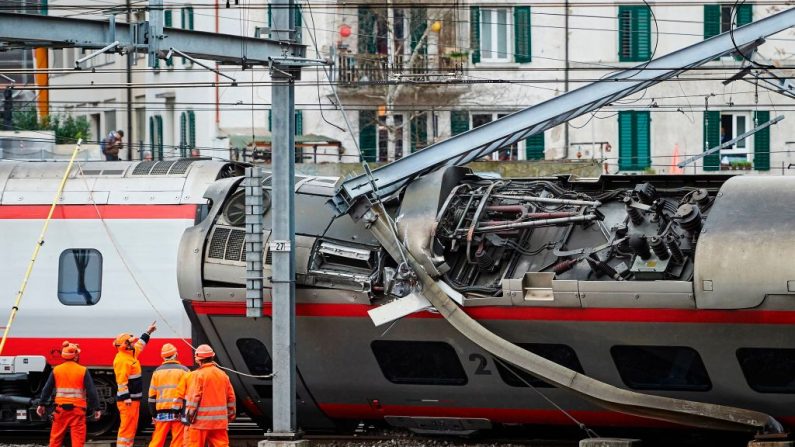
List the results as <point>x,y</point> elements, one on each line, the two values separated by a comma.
<point>537,223</point>
<point>549,200</point>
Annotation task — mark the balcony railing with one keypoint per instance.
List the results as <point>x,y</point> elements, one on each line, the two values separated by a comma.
<point>361,70</point>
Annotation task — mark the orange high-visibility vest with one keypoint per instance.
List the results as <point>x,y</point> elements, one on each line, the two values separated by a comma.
<point>211,397</point>
<point>69,385</point>
<point>163,386</point>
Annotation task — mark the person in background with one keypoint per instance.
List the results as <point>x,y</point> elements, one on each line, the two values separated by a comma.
<point>209,402</point>
<point>112,144</point>
<point>165,403</point>
<point>129,383</point>
<point>75,396</point>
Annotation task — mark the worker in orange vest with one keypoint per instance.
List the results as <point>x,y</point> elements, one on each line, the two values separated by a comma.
<point>209,403</point>
<point>129,383</point>
<point>165,405</point>
<point>75,395</point>
<point>182,389</point>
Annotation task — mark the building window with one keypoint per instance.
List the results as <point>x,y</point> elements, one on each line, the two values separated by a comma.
<point>187,23</point>
<point>634,33</point>
<point>634,151</point>
<point>561,354</point>
<point>768,370</point>
<point>661,368</point>
<point>720,127</point>
<point>80,277</point>
<point>187,133</point>
<point>721,18</point>
<point>495,45</point>
<point>419,362</point>
<point>507,153</point>
<point>255,354</point>
<point>534,147</point>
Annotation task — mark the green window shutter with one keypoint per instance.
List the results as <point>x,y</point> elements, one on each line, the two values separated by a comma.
<point>270,19</point>
<point>418,23</point>
<point>419,132</point>
<point>367,135</point>
<point>634,33</point>
<point>299,122</point>
<point>159,122</point>
<point>183,134</point>
<point>521,34</point>
<point>459,122</point>
<point>642,140</point>
<point>474,33</point>
<point>43,9</point>
<point>711,20</point>
<point>299,130</point>
<point>642,20</point>
<point>762,142</point>
<point>711,139</point>
<point>190,17</point>
<point>168,18</point>
<point>298,21</point>
<point>151,136</point>
<point>634,140</point>
<point>744,14</point>
<point>367,30</point>
<point>191,129</point>
<point>534,147</point>
<point>270,121</point>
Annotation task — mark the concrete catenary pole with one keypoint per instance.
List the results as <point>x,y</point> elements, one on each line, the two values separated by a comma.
<point>283,237</point>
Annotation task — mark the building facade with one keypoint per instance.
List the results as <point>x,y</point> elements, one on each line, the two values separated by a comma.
<point>406,76</point>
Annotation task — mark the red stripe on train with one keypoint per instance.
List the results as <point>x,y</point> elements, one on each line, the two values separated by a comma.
<point>503,415</point>
<point>187,211</point>
<point>94,351</point>
<point>531,313</point>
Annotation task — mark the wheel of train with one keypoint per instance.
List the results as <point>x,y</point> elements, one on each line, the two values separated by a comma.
<point>106,389</point>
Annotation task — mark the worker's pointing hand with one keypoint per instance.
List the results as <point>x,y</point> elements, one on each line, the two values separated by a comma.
<point>152,327</point>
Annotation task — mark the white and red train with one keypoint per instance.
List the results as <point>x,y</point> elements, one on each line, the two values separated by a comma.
<point>108,264</point>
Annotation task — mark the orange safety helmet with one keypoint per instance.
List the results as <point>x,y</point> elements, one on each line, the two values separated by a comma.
<point>69,351</point>
<point>204,352</point>
<point>168,350</point>
<point>124,337</point>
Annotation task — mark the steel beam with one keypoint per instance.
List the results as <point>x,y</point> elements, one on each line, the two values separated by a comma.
<point>283,236</point>
<point>65,32</point>
<point>468,146</point>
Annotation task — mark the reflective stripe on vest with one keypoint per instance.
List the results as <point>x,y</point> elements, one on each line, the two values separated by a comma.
<point>69,389</point>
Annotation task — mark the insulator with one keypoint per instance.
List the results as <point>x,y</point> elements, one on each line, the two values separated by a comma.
<point>634,214</point>
<point>602,268</point>
<point>659,248</point>
<point>647,193</point>
<point>640,246</point>
<point>689,218</point>
<point>621,233</point>
<point>484,260</point>
<point>564,266</point>
<point>673,246</point>
<point>700,197</point>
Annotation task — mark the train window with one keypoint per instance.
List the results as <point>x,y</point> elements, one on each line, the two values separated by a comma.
<point>768,370</point>
<point>663,368</point>
<point>80,277</point>
<point>560,354</point>
<point>256,356</point>
<point>419,362</point>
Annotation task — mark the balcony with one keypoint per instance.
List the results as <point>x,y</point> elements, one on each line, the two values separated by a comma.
<point>357,71</point>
